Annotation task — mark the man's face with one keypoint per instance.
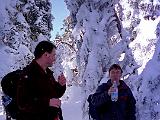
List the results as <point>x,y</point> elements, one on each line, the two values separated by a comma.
<point>115,74</point>
<point>51,58</point>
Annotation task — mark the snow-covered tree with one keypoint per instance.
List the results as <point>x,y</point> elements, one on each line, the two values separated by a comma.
<point>23,23</point>
<point>112,31</point>
<point>67,51</point>
<point>26,22</point>
<point>98,34</point>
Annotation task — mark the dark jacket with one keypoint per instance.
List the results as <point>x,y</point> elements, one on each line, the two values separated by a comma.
<point>34,91</point>
<point>123,109</point>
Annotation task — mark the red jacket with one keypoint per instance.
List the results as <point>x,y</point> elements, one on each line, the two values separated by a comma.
<point>36,88</point>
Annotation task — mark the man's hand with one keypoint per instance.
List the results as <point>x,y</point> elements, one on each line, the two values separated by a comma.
<point>62,79</point>
<point>111,90</point>
<point>55,102</point>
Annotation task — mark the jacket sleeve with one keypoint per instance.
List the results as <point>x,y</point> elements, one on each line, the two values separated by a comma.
<point>60,90</point>
<point>100,97</point>
<point>131,106</point>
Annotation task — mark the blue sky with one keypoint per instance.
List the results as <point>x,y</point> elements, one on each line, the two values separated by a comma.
<point>60,12</point>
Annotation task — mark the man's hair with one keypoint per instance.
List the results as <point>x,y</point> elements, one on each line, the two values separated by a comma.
<point>115,66</point>
<point>42,47</point>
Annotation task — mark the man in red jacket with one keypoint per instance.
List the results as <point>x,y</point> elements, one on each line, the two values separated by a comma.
<point>38,92</point>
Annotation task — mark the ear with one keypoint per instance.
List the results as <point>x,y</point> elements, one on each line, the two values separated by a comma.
<point>45,54</point>
<point>121,74</point>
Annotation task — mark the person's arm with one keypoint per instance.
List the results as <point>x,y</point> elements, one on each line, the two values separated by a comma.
<point>60,89</point>
<point>131,106</point>
<point>101,96</point>
<point>59,86</point>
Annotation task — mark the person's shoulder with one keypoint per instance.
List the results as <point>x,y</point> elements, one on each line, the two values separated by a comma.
<point>30,69</point>
<point>105,85</point>
<point>124,85</point>
<point>29,66</point>
<point>33,67</point>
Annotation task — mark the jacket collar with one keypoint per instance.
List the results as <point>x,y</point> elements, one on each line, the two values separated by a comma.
<point>36,66</point>
<point>122,84</point>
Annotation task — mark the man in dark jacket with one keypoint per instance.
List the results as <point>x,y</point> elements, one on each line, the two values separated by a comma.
<point>122,109</point>
<point>38,92</point>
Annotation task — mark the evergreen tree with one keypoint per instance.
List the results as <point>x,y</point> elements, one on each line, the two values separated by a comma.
<point>27,22</point>
<point>67,51</point>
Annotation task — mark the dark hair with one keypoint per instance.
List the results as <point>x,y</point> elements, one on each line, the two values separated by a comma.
<point>115,66</point>
<point>42,47</point>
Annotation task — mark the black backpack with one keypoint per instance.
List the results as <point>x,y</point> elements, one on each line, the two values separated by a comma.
<point>9,88</point>
<point>93,111</point>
